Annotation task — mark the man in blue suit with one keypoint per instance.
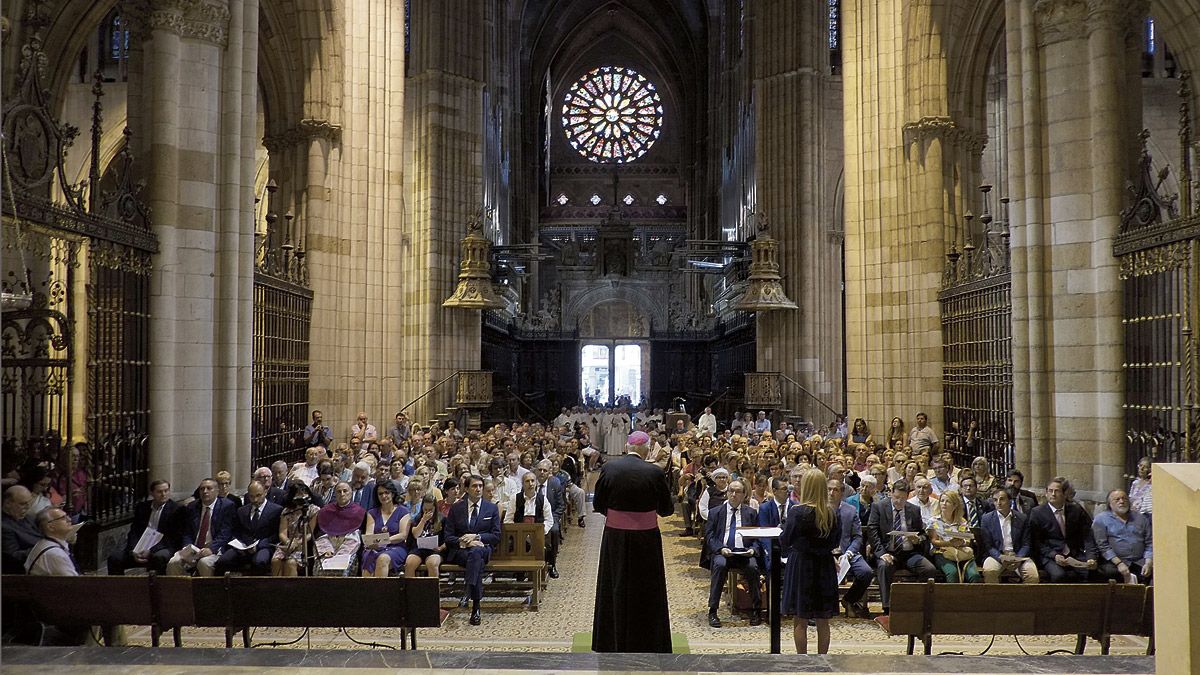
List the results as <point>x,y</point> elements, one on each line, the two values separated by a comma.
<point>1008,541</point>
<point>257,521</point>
<point>730,550</point>
<point>472,530</point>
<point>851,544</point>
<point>773,511</point>
<point>207,527</point>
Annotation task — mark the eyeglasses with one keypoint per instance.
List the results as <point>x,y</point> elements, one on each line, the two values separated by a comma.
<point>59,518</point>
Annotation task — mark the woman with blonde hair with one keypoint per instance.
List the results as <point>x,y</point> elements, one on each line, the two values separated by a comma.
<point>810,534</point>
<point>985,480</point>
<point>952,552</point>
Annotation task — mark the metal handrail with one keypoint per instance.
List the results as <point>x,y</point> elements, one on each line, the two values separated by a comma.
<point>810,394</point>
<point>522,402</point>
<point>430,390</point>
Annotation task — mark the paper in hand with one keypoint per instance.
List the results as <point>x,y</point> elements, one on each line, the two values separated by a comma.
<point>237,543</point>
<point>843,566</point>
<point>429,543</point>
<point>149,539</point>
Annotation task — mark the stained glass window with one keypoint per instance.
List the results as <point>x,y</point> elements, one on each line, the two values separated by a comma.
<point>628,200</point>
<point>595,200</point>
<point>562,199</point>
<point>612,115</point>
<point>661,199</point>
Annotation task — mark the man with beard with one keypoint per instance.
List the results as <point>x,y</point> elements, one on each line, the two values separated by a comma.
<point>631,612</point>
<point>1125,542</point>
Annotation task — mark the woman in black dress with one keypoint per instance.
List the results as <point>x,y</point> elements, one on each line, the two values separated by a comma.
<point>809,536</point>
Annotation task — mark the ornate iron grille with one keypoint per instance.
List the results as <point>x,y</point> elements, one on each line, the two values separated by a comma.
<point>45,234</point>
<point>118,297</point>
<point>977,377</point>
<point>1159,251</point>
<point>282,317</point>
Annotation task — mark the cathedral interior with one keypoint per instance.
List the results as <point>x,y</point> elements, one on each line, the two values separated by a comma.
<point>220,215</point>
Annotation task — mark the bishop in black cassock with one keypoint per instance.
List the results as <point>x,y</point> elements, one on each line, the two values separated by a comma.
<point>631,587</point>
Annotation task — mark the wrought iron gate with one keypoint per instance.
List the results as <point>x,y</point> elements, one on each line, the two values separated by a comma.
<point>1159,252</point>
<point>58,236</point>
<point>282,320</point>
<point>977,377</point>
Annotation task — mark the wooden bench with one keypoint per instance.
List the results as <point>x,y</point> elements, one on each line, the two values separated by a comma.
<point>229,602</point>
<point>1098,611</point>
<point>522,550</point>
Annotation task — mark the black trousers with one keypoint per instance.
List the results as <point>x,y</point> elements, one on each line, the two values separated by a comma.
<point>719,567</point>
<point>120,561</point>
<point>553,541</point>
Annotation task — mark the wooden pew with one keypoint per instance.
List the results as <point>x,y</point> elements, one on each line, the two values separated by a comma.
<point>522,549</point>
<point>233,603</point>
<point>1098,611</point>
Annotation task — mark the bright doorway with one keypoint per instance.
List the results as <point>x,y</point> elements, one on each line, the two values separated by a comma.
<point>612,371</point>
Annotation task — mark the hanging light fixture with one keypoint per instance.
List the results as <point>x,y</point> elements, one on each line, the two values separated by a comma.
<point>475,290</point>
<point>764,292</point>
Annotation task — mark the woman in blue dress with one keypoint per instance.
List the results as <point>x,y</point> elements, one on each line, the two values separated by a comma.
<point>390,554</point>
<point>810,534</point>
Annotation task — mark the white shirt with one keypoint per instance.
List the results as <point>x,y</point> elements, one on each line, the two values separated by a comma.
<point>369,433</point>
<point>531,511</point>
<point>735,517</point>
<point>155,514</point>
<point>928,510</point>
<point>55,562</point>
<point>708,424</point>
<point>304,473</point>
<point>1005,531</point>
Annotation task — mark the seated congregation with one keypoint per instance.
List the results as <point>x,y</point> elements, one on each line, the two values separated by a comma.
<point>435,502</point>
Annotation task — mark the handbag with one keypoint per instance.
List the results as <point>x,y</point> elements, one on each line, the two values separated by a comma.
<point>957,553</point>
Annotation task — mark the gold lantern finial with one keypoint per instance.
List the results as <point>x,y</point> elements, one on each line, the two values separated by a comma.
<point>474,290</point>
<point>764,292</point>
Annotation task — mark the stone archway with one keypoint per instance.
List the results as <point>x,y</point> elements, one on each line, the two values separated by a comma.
<point>579,301</point>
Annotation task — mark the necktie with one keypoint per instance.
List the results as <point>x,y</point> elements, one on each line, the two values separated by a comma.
<point>729,542</point>
<point>202,534</point>
<point>1062,522</point>
<point>897,514</point>
<point>357,494</point>
<point>474,512</point>
<point>972,516</point>
<point>253,517</point>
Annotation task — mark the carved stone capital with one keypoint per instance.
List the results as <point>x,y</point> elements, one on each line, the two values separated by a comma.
<point>206,20</point>
<point>1060,20</point>
<point>302,134</point>
<point>946,130</point>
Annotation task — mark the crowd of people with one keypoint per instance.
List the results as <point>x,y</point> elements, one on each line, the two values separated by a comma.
<point>853,508</point>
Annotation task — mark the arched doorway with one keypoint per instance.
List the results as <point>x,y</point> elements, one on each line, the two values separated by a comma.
<point>614,356</point>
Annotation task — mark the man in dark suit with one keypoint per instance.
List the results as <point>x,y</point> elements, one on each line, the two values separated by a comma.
<point>896,514</point>
<point>1007,541</point>
<point>257,521</point>
<point>156,513</point>
<point>207,526</point>
<point>730,550</point>
<point>262,475</point>
<point>1023,501</point>
<point>557,497</point>
<point>19,534</point>
<point>851,543</point>
<point>1062,537</point>
<point>472,531</point>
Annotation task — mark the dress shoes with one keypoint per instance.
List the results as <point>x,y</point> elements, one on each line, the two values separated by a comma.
<point>713,620</point>
<point>553,572</point>
<point>475,620</point>
<point>756,618</point>
<point>689,532</point>
<point>582,522</point>
<point>462,604</point>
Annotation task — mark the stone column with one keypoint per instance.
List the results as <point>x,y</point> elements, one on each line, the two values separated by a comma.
<point>790,71</point>
<point>1077,136</point>
<point>444,190</point>
<point>194,86</point>
<point>902,146</point>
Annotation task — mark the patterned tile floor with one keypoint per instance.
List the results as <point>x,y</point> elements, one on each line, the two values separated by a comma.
<point>566,609</point>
